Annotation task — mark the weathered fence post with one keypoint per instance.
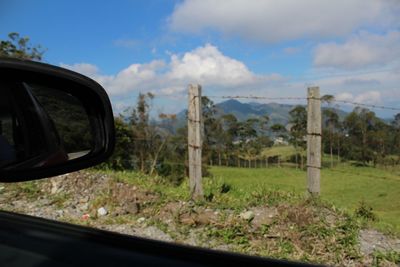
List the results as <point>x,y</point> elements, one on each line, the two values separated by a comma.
<point>195,141</point>
<point>313,140</point>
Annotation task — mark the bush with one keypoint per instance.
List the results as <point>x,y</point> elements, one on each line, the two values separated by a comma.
<point>365,211</point>
<point>225,188</point>
<point>173,173</point>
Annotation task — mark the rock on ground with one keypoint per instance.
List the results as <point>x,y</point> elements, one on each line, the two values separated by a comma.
<point>372,240</point>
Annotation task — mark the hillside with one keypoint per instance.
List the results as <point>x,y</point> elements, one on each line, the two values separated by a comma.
<point>278,113</point>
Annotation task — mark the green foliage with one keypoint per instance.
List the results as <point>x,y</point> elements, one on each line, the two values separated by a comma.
<point>122,158</point>
<point>380,258</point>
<point>235,234</point>
<point>225,188</point>
<point>19,47</point>
<point>173,173</point>
<point>365,211</point>
<point>29,189</point>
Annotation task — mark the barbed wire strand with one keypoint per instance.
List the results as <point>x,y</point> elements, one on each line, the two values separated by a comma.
<point>257,97</point>
<point>366,105</point>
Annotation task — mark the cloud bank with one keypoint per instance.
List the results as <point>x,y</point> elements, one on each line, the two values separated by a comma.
<point>205,65</point>
<point>360,51</point>
<point>271,21</point>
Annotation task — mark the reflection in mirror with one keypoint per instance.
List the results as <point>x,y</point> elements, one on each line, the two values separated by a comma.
<point>47,127</point>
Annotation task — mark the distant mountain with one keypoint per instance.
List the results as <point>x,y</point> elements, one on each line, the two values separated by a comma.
<point>278,113</point>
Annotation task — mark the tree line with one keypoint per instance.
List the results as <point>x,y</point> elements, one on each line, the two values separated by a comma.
<point>158,146</point>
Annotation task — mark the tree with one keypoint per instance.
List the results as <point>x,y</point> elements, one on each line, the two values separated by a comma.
<point>147,139</point>
<point>122,157</point>
<point>19,47</point>
<point>298,131</point>
<point>211,129</point>
<point>230,126</point>
<point>359,124</point>
<point>247,134</point>
<point>396,137</point>
<point>331,119</point>
<point>327,99</point>
<point>279,130</point>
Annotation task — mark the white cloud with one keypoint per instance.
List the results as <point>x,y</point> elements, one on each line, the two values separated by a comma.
<point>131,78</point>
<point>205,65</point>
<point>84,68</point>
<point>222,75</point>
<point>370,97</point>
<point>361,82</point>
<point>274,21</point>
<point>89,70</point>
<point>361,50</point>
<point>344,96</point>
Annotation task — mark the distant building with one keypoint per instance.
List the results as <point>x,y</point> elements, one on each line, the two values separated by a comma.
<point>289,126</point>
<point>278,141</point>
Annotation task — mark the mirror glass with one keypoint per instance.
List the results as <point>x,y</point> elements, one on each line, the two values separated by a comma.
<point>41,126</point>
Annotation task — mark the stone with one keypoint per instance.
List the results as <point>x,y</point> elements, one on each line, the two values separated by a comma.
<point>84,207</point>
<point>373,241</point>
<point>247,215</point>
<point>263,216</point>
<point>141,220</point>
<point>153,232</point>
<point>132,208</point>
<point>84,200</point>
<point>223,247</point>
<point>59,213</point>
<point>102,212</point>
<point>118,211</point>
<point>55,187</point>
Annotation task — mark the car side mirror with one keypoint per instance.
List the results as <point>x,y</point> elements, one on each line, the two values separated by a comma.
<point>52,121</point>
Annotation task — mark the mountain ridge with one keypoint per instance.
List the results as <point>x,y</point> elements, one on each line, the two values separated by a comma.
<point>277,112</point>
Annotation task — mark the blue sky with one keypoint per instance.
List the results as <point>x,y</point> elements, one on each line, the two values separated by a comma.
<point>351,49</point>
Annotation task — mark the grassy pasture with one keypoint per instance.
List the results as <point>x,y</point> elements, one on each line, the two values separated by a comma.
<point>344,186</point>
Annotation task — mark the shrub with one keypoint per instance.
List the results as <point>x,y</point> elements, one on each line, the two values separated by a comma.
<point>365,211</point>
<point>173,173</point>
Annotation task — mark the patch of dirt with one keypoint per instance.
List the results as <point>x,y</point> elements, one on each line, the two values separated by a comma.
<point>372,240</point>
<point>263,216</point>
<point>151,232</point>
<point>199,216</point>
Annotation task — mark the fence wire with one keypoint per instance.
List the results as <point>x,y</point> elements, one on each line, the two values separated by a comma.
<point>366,105</point>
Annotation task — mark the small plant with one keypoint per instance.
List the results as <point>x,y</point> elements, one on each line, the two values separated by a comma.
<point>209,197</point>
<point>286,248</point>
<point>29,189</point>
<point>231,234</point>
<point>225,188</point>
<point>365,211</point>
<point>390,256</point>
<point>173,173</point>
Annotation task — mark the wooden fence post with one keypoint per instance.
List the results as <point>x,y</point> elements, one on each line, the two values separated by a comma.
<point>195,141</point>
<point>313,140</point>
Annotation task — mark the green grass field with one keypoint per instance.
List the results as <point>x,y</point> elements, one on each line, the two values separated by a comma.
<point>285,152</point>
<point>343,186</point>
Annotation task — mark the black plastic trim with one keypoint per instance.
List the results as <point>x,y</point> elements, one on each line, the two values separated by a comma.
<point>104,115</point>
<point>74,245</point>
